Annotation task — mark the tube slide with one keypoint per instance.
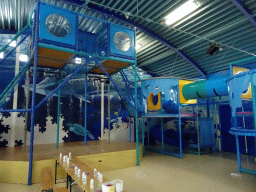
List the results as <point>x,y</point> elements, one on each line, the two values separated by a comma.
<point>214,86</point>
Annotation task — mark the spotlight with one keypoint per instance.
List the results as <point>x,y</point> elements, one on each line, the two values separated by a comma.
<point>214,47</point>
<point>78,60</point>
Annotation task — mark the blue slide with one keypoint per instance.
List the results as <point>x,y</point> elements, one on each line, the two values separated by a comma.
<point>171,137</point>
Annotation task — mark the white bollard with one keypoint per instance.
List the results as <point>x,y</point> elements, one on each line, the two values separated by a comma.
<point>84,178</point>
<point>78,172</point>
<point>60,156</point>
<point>76,169</point>
<point>95,172</point>
<point>91,184</point>
<point>100,178</point>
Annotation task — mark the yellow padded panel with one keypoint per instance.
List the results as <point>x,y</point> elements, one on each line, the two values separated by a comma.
<point>248,94</point>
<point>151,106</point>
<point>112,160</point>
<point>14,172</point>
<point>17,171</point>
<point>182,83</point>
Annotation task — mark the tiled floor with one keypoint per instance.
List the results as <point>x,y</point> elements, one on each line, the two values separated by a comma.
<point>160,173</point>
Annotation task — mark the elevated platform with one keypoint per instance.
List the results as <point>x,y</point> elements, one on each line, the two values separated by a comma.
<point>103,155</point>
<point>53,58</point>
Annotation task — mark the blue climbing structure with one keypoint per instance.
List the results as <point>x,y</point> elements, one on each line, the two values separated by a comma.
<point>161,107</point>
<point>242,91</point>
<point>56,40</point>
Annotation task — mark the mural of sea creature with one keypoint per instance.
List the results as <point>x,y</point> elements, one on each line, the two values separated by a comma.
<point>79,130</point>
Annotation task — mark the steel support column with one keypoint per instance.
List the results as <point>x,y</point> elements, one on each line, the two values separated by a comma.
<point>36,36</point>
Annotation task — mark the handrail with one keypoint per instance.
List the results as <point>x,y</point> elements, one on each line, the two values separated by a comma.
<point>13,83</point>
<point>14,38</point>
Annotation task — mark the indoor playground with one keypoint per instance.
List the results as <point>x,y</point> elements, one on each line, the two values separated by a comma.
<point>132,96</point>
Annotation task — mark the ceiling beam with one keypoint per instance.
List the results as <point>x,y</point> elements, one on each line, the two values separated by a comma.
<point>150,33</point>
<point>244,9</point>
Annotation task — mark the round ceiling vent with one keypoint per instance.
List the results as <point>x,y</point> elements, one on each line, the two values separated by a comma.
<point>122,41</point>
<point>58,25</point>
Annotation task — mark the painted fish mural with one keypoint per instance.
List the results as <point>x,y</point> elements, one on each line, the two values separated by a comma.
<point>79,130</point>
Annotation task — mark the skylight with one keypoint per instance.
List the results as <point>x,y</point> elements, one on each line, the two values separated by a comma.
<point>181,12</point>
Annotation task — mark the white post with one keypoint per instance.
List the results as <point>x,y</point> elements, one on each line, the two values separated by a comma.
<point>27,92</point>
<point>15,98</point>
<point>102,109</point>
<point>109,110</point>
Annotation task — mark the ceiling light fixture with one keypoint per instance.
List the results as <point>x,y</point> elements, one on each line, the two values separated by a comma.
<point>23,58</point>
<point>2,55</point>
<point>78,60</point>
<point>13,44</point>
<point>181,12</point>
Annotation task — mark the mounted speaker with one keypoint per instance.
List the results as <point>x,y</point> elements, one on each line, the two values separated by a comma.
<point>214,48</point>
<point>57,26</point>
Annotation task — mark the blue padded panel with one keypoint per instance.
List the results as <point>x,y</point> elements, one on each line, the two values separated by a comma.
<point>45,11</point>
<point>130,54</point>
<point>207,137</point>
<point>236,91</point>
<point>86,42</point>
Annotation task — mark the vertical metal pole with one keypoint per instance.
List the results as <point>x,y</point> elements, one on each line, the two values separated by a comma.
<point>109,110</point>
<point>130,129</point>
<point>15,95</point>
<point>36,33</point>
<point>136,113</point>
<point>198,133</point>
<point>253,100</point>
<point>180,125</point>
<point>85,108</point>
<point>67,180</point>
<point>136,102</point>
<point>143,134</point>
<point>148,131</point>
<point>238,154</point>
<point>55,178</point>
<point>15,99</point>
<point>245,138</point>
<point>27,92</point>
<point>162,131</point>
<point>180,135</point>
<point>208,108</point>
<point>143,130</point>
<point>58,118</point>
<point>102,109</point>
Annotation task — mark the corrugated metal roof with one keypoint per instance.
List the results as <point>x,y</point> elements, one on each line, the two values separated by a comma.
<point>214,20</point>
